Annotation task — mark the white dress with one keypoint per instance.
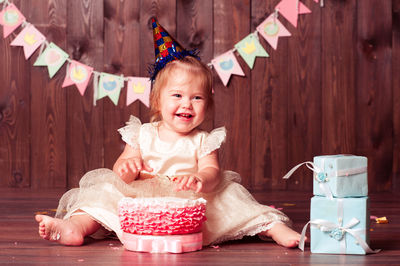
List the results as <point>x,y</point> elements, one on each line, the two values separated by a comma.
<point>231,211</point>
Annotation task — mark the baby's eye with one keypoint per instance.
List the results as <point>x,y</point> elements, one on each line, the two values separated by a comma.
<point>177,95</point>
<point>198,97</point>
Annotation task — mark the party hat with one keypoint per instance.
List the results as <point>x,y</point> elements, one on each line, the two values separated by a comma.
<point>166,49</point>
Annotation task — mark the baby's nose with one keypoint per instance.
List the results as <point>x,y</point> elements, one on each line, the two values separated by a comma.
<point>187,103</point>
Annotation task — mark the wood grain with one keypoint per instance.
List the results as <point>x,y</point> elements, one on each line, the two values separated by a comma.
<point>21,245</point>
<point>338,82</point>
<point>121,53</point>
<point>269,109</point>
<point>332,87</point>
<point>233,102</point>
<point>85,121</point>
<point>374,112</point>
<point>14,117</point>
<point>304,96</point>
<point>396,95</point>
<point>48,104</point>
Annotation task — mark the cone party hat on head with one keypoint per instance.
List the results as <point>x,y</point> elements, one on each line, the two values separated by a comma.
<point>166,49</point>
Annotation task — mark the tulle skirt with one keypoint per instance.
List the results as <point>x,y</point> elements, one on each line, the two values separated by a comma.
<point>231,210</point>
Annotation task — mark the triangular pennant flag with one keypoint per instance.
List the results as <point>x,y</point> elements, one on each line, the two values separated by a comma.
<point>316,1</point>
<point>52,57</point>
<point>291,9</point>
<point>10,18</point>
<point>271,29</point>
<point>30,39</point>
<point>110,85</point>
<point>78,74</point>
<point>138,88</point>
<point>227,65</point>
<point>249,48</point>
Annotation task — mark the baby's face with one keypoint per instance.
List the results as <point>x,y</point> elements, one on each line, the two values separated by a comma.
<point>183,102</point>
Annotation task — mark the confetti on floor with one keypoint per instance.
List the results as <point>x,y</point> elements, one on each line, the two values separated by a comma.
<point>288,204</point>
<point>273,206</point>
<point>382,220</point>
<point>216,246</point>
<point>373,217</point>
<point>41,212</point>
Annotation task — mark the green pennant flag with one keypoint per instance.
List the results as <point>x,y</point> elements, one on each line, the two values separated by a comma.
<point>249,48</point>
<point>110,85</point>
<point>53,57</point>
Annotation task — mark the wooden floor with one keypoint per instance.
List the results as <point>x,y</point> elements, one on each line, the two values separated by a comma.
<point>20,243</point>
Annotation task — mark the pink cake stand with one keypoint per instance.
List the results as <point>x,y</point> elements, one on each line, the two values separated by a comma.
<point>163,244</point>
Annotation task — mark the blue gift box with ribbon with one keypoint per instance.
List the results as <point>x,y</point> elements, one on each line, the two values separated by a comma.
<point>337,176</point>
<point>338,226</point>
<point>340,175</point>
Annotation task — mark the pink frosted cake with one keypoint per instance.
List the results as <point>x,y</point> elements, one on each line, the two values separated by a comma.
<point>164,224</point>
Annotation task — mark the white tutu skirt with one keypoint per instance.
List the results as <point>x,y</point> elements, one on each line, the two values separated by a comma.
<point>231,210</point>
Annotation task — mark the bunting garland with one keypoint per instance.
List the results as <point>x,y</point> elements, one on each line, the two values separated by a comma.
<point>249,48</point>
<point>271,29</point>
<point>138,88</point>
<point>291,9</point>
<point>78,74</point>
<point>227,65</point>
<point>53,57</point>
<point>11,18</point>
<point>30,39</point>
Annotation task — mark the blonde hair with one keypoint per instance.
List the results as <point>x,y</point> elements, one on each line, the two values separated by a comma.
<point>190,65</point>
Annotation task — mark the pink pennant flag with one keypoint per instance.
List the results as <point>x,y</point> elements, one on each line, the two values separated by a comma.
<point>227,65</point>
<point>78,74</point>
<point>29,38</point>
<point>316,1</point>
<point>291,9</point>
<point>271,29</point>
<point>11,18</point>
<point>138,89</point>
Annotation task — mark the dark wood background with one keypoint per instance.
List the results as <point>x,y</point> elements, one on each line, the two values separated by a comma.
<point>330,88</point>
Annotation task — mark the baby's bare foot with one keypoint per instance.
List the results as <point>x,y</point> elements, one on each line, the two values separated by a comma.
<point>283,235</point>
<point>62,231</point>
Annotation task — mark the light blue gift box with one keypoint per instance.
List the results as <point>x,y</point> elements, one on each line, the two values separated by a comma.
<point>344,175</point>
<point>341,212</point>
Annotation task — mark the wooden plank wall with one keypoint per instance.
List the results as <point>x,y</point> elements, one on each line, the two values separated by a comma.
<point>332,87</point>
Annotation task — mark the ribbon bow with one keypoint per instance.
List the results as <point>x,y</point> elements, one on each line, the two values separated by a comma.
<point>338,232</point>
<point>319,175</point>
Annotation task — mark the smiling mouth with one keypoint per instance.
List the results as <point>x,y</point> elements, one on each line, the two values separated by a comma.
<point>184,115</point>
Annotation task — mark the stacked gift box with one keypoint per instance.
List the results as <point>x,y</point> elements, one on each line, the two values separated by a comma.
<point>339,216</point>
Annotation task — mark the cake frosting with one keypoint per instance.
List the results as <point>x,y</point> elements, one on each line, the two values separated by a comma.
<point>161,216</point>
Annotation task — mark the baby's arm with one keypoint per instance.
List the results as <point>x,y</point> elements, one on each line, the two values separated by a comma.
<point>206,179</point>
<point>129,164</point>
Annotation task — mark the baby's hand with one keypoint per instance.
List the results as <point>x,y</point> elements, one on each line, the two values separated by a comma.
<point>186,182</point>
<point>131,167</point>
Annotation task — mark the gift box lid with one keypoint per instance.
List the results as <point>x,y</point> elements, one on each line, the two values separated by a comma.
<point>340,176</point>
<point>341,164</point>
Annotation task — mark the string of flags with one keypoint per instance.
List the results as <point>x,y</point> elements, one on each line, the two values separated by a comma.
<point>138,88</point>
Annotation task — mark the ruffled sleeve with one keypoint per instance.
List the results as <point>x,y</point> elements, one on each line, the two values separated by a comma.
<point>130,132</point>
<point>212,142</point>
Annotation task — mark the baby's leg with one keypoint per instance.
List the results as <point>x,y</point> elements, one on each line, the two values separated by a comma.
<point>69,232</point>
<point>283,235</point>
